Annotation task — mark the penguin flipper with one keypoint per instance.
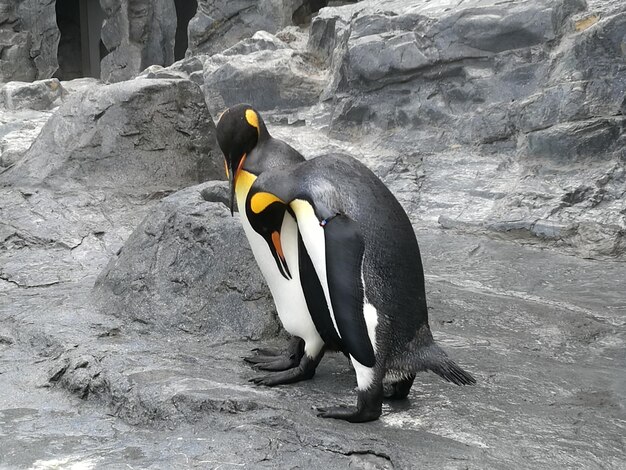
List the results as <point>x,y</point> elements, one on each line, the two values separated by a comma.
<point>336,247</point>
<point>344,257</point>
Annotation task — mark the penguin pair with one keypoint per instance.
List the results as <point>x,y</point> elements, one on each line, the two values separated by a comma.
<point>342,262</point>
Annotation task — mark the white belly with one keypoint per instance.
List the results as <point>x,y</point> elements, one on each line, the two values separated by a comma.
<point>287,293</point>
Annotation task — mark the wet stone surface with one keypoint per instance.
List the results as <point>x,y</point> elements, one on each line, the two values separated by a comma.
<point>125,312</point>
<point>544,333</point>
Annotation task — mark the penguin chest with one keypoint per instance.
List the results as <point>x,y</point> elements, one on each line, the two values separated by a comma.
<point>287,293</point>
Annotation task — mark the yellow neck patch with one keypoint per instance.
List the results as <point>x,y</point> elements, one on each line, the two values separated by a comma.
<point>260,201</point>
<point>253,119</point>
<point>244,182</point>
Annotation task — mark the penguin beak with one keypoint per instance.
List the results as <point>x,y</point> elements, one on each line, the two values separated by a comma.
<point>231,182</point>
<point>277,251</point>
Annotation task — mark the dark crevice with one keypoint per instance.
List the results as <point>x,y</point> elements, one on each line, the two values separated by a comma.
<point>185,11</point>
<point>80,48</point>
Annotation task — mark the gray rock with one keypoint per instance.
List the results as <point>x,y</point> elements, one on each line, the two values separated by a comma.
<point>538,86</point>
<point>415,43</point>
<point>16,63</point>
<point>573,142</point>
<point>219,24</point>
<point>138,33</point>
<point>282,78</point>
<point>507,131</point>
<point>39,95</point>
<point>138,135</point>
<point>28,39</point>
<point>260,41</point>
<point>80,84</point>
<point>188,266</point>
<point>18,131</point>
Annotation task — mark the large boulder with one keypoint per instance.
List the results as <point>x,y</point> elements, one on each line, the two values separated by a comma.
<point>515,109</point>
<point>138,135</point>
<point>18,131</point>
<point>40,95</point>
<point>188,267</point>
<point>138,33</point>
<point>421,63</point>
<point>28,39</point>
<point>263,71</point>
<point>219,24</point>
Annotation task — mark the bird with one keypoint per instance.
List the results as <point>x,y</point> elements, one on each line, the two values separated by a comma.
<point>342,262</point>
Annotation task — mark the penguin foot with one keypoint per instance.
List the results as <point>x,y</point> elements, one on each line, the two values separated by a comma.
<point>350,413</point>
<point>273,363</point>
<point>275,359</point>
<point>268,352</point>
<point>303,371</point>
<point>399,390</point>
<point>369,407</point>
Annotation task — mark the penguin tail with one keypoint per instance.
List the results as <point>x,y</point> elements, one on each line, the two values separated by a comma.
<point>447,369</point>
<point>424,354</point>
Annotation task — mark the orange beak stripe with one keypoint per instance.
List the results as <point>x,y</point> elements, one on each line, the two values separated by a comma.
<point>277,245</point>
<point>226,168</point>
<point>243,159</point>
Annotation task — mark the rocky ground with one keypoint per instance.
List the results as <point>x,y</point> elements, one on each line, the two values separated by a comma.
<point>128,294</point>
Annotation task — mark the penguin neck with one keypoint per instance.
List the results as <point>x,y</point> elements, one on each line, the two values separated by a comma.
<point>245,180</point>
<point>256,161</point>
<point>263,132</point>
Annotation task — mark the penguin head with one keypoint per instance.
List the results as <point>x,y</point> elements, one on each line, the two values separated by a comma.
<point>265,212</point>
<point>239,130</point>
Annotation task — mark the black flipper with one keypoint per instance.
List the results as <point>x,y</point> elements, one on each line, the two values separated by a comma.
<point>315,300</point>
<point>344,257</point>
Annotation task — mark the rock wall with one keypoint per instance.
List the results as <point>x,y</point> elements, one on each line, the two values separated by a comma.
<point>28,40</point>
<point>499,125</point>
<point>220,24</point>
<point>188,266</point>
<point>137,34</point>
<point>139,135</point>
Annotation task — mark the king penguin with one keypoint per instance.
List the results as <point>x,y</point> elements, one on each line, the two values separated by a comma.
<point>342,263</point>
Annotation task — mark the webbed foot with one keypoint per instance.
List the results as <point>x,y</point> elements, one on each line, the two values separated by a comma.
<point>277,360</point>
<point>303,371</point>
<point>369,407</point>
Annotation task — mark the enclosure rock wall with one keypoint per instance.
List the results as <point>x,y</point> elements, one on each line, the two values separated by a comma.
<point>137,34</point>
<point>220,24</point>
<point>28,40</point>
<point>137,135</point>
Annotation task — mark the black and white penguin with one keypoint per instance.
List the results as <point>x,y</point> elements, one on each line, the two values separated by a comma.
<point>342,262</point>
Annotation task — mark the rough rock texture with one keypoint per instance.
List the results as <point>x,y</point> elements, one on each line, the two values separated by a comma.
<point>538,85</point>
<point>499,126</point>
<point>188,266</point>
<point>137,134</point>
<point>263,71</point>
<point>18,130</point>
<point>137,34</point>
<point>220,24</point>
<point>28,40</point>
<point>39,95</point>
